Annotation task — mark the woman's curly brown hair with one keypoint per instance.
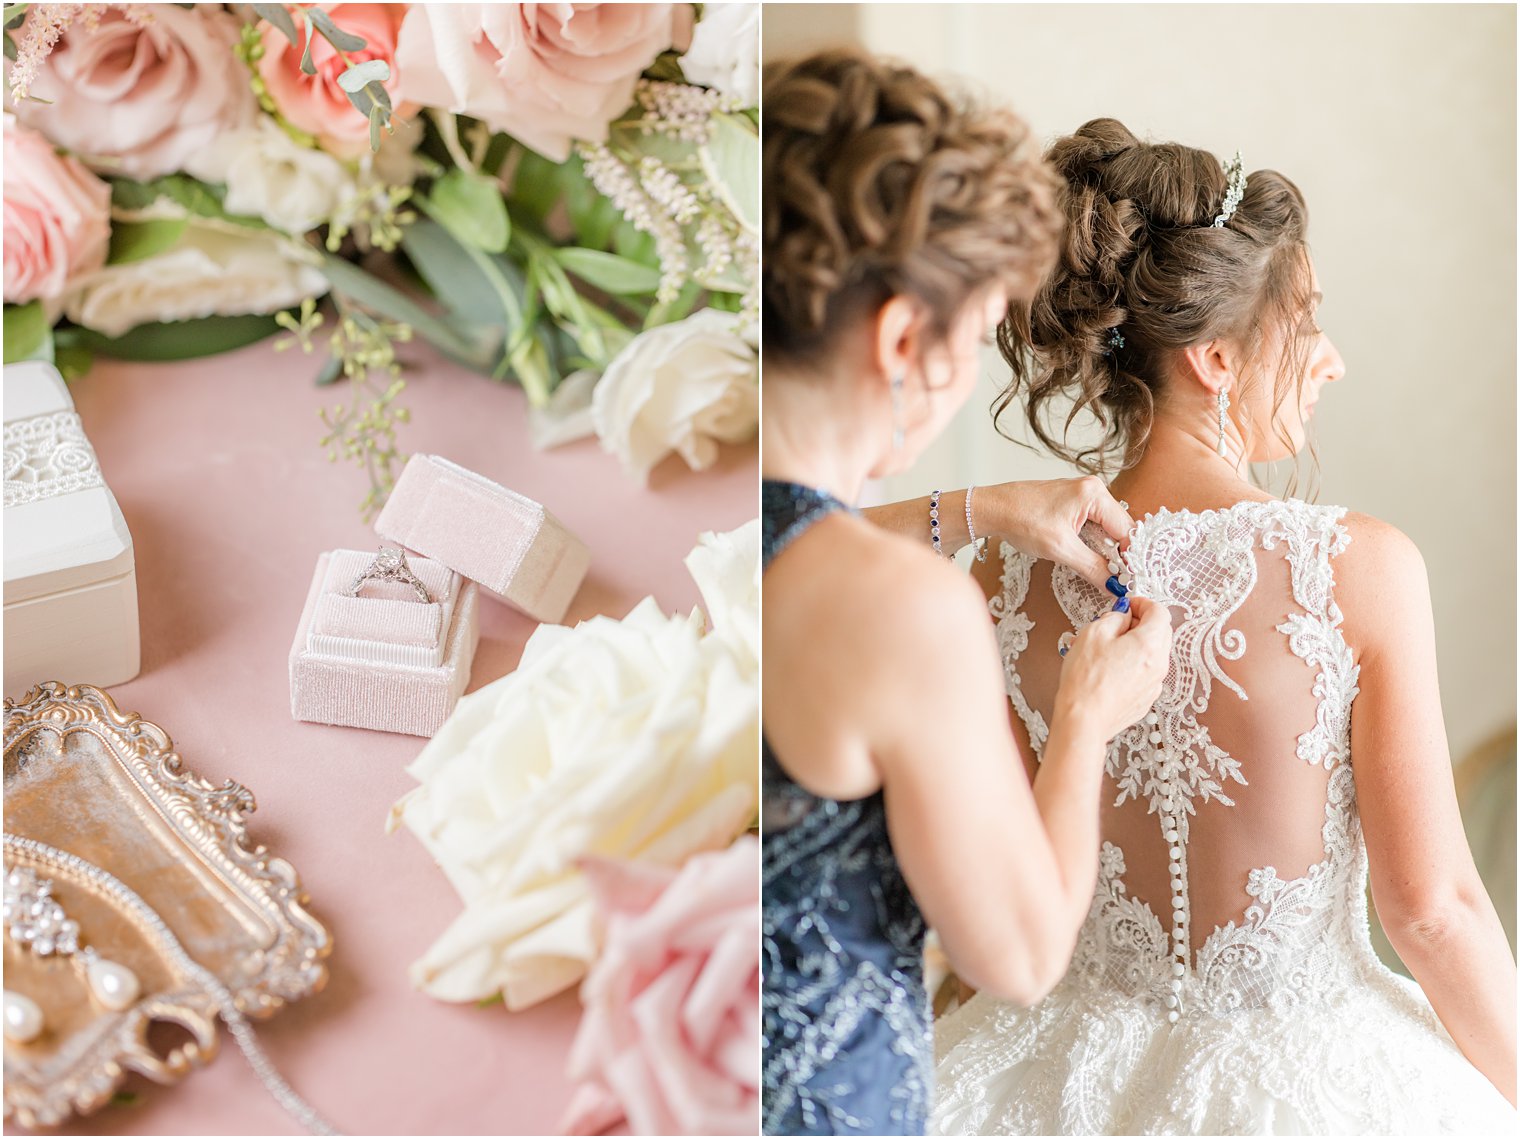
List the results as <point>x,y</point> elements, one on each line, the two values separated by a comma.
<point>878,184</point>
<point>1142,258</point>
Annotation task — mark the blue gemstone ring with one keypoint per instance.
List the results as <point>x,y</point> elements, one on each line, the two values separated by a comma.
<point>1116,587</point>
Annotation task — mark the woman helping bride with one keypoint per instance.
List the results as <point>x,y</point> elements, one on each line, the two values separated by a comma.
<point>1223,981</point>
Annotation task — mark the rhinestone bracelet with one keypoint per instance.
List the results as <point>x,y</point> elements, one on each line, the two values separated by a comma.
<point>981,553</point>
<point>934,522</point>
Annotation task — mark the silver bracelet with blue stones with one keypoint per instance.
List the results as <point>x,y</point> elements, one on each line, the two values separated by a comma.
<point>934,523</point>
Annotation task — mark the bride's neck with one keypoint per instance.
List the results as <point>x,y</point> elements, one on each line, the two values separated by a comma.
<point>1181,467</point>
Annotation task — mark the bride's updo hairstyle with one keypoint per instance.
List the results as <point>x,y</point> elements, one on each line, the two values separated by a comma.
<point>878,183</point>
<point>1144,273</point>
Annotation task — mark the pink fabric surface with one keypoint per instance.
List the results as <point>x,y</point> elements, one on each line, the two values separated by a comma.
<point>230,502</point>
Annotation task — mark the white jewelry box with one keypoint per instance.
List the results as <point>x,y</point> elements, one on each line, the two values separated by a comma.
<point>70,574</point>
<point>389,661</point>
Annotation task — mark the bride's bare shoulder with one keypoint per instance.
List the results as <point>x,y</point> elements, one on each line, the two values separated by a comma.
<point>1380,581</point>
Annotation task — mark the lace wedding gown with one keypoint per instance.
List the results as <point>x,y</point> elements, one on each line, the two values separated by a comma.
<point>1223,982</point>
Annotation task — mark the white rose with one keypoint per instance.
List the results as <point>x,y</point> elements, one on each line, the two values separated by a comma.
<point>215,269</point>
<point>271,176</point>
<point>633,739</point>
<point>726,568</point>
<point>684,387</point>
<point>725,51</point>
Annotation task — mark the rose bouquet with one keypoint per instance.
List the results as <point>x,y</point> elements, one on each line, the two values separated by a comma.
<point>541,192</point>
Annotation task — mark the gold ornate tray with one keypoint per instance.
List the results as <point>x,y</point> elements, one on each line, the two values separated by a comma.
<point>109,787</point>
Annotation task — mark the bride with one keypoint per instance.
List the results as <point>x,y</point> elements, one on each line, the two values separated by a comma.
<point>1224,982</point>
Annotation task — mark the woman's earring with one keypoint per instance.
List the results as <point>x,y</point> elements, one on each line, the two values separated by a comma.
<point>897,428</point>
<point>1224,405</point>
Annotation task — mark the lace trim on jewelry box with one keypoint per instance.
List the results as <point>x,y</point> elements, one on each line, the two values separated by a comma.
<point>47,456</point>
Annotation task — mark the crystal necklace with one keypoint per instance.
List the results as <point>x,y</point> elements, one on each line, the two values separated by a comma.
<point>237,1024</point>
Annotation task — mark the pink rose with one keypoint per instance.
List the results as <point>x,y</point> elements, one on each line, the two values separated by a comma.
<point>547,74</point>
<point>57,218</point>
<point>670,1039</point>
<point>141,96</point>
<point>315,103</point>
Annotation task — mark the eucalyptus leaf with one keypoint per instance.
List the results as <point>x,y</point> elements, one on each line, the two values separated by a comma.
<point>473,347</point>
<point>307,66</point>
<point>27,334</point>
<point>360,74</point>
<point>138,240</point>
<point>362,100</point>
<point>470,206</point>
<point>474,286</point>
<point>278,16</point>
<point>377,117</point>
<point>330,371</point>
<point>609,272</point>
<point>10,47</point>
<point>174,340</point>
<point>343,41</point>
<point>731,159</point>
<point>12,15</point>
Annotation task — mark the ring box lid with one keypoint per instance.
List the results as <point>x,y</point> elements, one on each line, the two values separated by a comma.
<point>512,546</point>
<point>63,536</point>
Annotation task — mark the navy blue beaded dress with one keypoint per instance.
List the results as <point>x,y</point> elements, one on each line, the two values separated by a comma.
<point>848,1047</point>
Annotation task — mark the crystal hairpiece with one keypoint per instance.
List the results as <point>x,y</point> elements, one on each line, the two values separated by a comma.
<point>1235,191</point>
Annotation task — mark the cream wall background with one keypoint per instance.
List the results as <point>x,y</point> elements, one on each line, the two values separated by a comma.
<point>1398,123</point>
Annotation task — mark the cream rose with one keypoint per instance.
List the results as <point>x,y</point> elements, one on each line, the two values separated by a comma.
<point>215,269</point>
<point>315,103</point>
<point>634,739</point>
<point>670,1039</point>
<point>141,97</point>
<point>683,387</point>
<point>57,218</point>
<point>726,568</point>
<point>271,176</point>
<point>725,51</point>
<point>547,74</point>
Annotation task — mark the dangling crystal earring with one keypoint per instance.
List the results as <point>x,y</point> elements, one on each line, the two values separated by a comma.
<point>1224,405</point>
<point>35,921</point>
<point>897,428</point>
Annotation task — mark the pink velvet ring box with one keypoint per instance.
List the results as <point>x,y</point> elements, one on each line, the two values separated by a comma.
<point>508,543</point>
<point>385,659</point>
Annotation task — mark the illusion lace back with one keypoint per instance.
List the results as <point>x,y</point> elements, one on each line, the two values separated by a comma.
<point>1224,981</point>
<point>844,1015</point>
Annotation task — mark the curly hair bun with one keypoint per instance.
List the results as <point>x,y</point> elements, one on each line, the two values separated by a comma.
<point>876,184</point>
<point>1143,272</point>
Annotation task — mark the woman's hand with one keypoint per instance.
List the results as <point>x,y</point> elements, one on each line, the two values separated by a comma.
<point>1046,518</point>
<point>1114,669</point>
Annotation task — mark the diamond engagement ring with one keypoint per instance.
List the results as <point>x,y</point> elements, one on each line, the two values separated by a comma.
<point>390,565</point>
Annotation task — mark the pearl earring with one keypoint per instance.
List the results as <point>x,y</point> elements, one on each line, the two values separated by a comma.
<point>897,428</point>
<point>1224,404</point>
<point>35,920</point>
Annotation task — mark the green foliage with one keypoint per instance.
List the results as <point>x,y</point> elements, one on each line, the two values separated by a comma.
<point>138,240</point>
<point>192,196</point>
<point>731,160</point>
<point>470,206</point>
<point>608,271</point>
<point>173,340</point>
<point>27,334</point>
